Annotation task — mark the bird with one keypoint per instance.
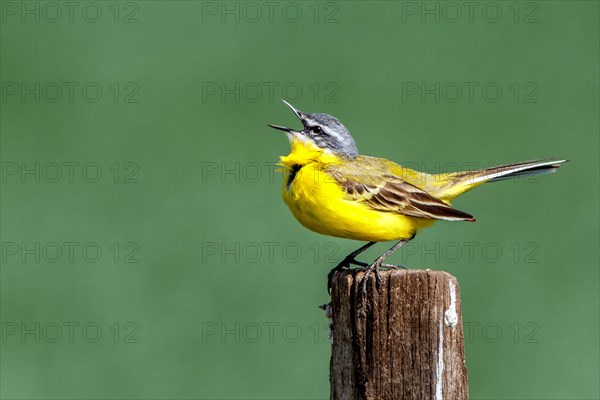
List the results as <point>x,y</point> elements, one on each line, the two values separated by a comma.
<point>332,190</point>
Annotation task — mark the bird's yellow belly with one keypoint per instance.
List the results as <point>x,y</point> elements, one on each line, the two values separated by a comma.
<point>319,204</point>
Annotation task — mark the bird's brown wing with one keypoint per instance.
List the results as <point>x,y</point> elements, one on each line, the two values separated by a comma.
<point>370,182</point>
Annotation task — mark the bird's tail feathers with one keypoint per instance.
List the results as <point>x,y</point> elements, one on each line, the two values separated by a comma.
<point>504,172</point>
<point>460,182</point>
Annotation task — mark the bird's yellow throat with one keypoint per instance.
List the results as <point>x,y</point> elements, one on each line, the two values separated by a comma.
<point>304,152</point>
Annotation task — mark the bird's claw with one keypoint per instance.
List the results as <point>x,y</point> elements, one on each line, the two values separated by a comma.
<point>345,264</point>
<point>371,268</point>
<point>377,264</point>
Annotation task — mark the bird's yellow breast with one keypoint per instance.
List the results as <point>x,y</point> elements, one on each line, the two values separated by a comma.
<point>320,204</point>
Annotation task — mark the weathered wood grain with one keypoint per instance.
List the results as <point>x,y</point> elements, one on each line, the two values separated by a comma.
<point>402,340</point>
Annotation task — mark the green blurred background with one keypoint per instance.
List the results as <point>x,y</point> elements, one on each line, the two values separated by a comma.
<point>205,286</point>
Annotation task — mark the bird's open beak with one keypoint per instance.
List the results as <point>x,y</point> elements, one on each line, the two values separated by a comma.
<point>281,128</point>
<point>297,113</point>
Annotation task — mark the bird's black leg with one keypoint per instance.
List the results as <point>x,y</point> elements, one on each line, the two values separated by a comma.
<point>350,259</point>
<point>379,263</point>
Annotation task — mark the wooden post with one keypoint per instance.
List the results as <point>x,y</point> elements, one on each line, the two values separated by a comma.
<point>402,340</point>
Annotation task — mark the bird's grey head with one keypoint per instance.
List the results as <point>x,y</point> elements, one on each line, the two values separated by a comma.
<point>325,131</point>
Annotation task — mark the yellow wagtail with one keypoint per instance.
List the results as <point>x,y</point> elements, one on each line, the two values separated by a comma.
<point>333,190</point>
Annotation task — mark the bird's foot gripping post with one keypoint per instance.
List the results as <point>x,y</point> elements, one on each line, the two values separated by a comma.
<point>346,262</point>
<point>403,339</point>
<point>369,268</point>
<point>378,263</point>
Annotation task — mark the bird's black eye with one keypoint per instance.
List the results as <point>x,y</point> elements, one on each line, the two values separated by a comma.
<point>316,129</point>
